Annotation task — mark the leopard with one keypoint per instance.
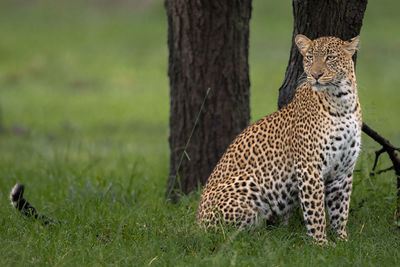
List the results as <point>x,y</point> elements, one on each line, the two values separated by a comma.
<point>303,155</point>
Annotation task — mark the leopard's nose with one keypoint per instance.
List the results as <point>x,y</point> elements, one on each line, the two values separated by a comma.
<point>317,74</point>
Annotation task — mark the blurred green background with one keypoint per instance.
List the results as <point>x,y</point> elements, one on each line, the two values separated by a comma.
<point>97,69</point>
<point>84,107</point>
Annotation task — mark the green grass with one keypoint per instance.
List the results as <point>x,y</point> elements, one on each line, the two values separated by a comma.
<point>84,103</point>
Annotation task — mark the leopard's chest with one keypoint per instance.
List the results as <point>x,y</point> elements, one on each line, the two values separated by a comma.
<point>342,146</point>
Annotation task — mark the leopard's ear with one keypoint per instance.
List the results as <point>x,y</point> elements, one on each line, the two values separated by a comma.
<point>303,43</point>
<point>352,46</point>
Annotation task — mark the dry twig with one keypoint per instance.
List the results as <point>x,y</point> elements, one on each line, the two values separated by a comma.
<point>392,152</point>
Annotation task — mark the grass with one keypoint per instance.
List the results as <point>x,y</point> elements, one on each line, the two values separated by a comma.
<point>84,107</point>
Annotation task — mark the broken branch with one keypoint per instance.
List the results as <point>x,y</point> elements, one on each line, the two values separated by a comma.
<point>386,147</point>
<point>391,151</point>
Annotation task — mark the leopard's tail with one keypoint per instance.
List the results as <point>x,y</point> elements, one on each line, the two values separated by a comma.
<point>21,204</point>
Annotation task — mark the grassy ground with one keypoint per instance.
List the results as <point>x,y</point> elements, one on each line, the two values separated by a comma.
<point>84,107</point>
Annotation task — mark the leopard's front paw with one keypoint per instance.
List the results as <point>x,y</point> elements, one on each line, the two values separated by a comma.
<point>323,242</point>
<point>342,236</point>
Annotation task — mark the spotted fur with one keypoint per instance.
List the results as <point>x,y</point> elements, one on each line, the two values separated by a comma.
<point>302,154</point>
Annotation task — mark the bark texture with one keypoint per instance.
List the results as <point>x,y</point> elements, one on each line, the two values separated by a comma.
<point>315,18</point>
<point>208,45</point>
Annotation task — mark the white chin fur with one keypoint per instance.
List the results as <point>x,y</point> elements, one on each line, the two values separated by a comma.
<point>318,87</point>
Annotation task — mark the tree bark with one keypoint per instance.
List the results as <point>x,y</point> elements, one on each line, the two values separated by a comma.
<point>208,45</point>
<point>315,18</point>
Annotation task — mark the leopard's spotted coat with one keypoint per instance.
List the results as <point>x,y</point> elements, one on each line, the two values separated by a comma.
<point>303,153</point>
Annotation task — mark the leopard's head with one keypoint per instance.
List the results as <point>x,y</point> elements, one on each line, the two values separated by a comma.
<point>327,61</point>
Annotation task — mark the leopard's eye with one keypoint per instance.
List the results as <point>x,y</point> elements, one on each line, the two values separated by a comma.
<point>330,57</point>
<point>309,57</point>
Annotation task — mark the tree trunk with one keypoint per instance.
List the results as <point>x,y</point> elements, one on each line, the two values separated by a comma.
<point>315,18</point>
<point>208,50</point>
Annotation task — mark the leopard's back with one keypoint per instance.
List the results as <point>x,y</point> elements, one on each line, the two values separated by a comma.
<point>255,179</point>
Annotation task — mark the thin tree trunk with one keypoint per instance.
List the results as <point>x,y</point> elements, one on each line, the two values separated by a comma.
<point>208,50</point>
<point>316,18</point>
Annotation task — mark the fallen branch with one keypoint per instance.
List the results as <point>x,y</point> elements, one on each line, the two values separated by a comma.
<point>386,147</point>
<point>381,171</point>
<point>391,151</point>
